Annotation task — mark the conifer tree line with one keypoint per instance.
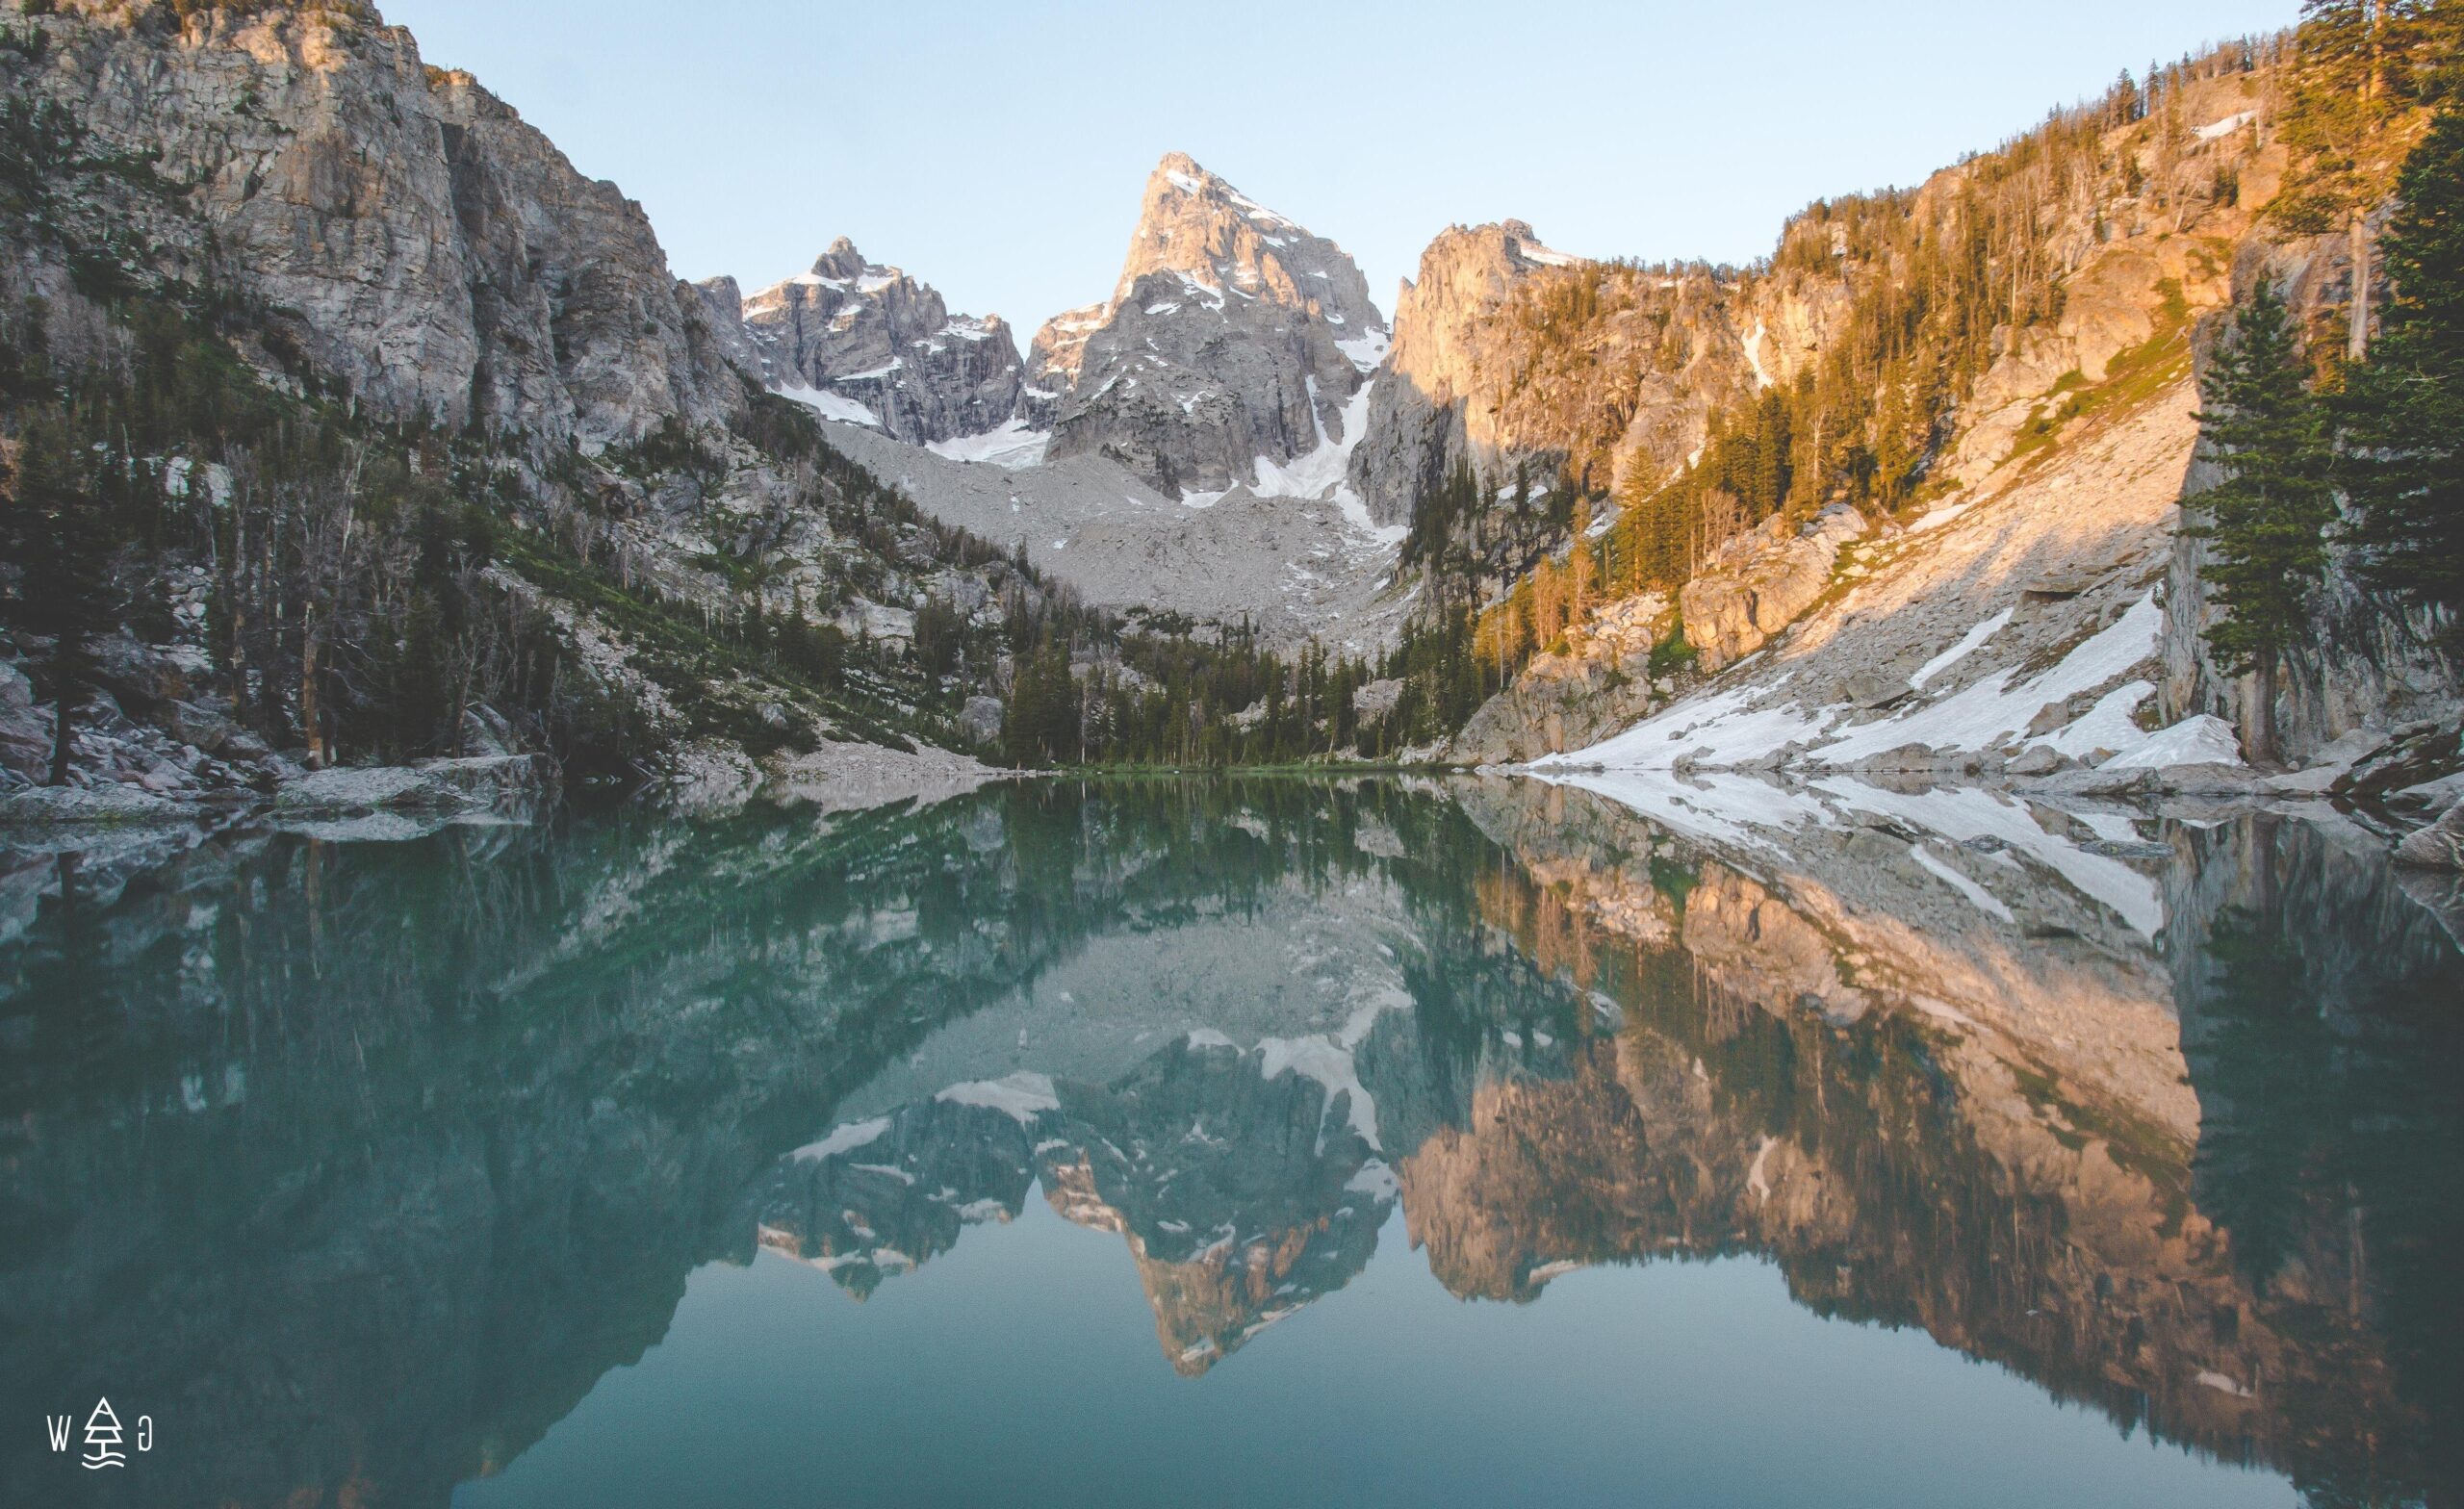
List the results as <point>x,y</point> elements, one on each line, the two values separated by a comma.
<point>1943,279</point>
<point>1159,693</point>
<point>2377,420</point>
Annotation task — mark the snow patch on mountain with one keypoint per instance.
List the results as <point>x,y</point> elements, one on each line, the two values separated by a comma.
<point>1012,445</point>
<point>1022,1097</point>
<point>831,405</point>
<point>1745,725</point>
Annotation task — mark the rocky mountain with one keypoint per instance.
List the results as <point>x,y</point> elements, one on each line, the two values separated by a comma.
<point>868,345</point>
<point>403,235</point>
<point>2027,599</point>
<point>1233,336</point>
<point>1060,348</point>
<point>1517,361</point>
<point>355,302</point>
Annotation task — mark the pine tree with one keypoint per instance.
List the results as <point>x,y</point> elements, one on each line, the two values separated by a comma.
<point>61,548</point>
<point>2360,62</point>
<point>2404,412</point>
<point>2266,519</point>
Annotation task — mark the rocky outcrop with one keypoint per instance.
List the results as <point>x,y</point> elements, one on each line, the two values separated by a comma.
<point>2438,847</point>
<point>1601,684</point>
<point>2372,660</point>
<point>1233,335</point>
<point>1761,582</point>
<point>1510,357</point>
<point>1055,355</point>
<point>887,344</point>
<point>410,240</point>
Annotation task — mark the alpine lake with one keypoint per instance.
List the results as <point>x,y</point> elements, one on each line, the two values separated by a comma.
<point>1239,1141</point>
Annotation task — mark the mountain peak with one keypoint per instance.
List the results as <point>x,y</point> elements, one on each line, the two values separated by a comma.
<point>841,261</point>
<point>866,343</point>
<point>1194,224</point>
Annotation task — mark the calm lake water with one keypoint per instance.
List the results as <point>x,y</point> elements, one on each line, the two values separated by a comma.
<point>1239,1142</point>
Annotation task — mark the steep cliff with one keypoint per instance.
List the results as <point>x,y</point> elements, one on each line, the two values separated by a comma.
<point>1233,335</point>
<point>404,234</point>
<point>2373,663</point>
<point>425,417</point>
<point>1511,358</point>
<point>888,346</point>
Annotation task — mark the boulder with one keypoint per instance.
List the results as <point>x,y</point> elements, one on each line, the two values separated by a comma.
<point>2038,759</point>
<point>25,731</point>
<point>492,780</point>
<point>981,720</point>
<point>139,675</point>
<point>207,724</point>
<point>1921,760</point>
<point>486,731</point>
<point>2434,796</point>
<point>355,789</point>
<point>2209,779</point>
<point>2418,752</point>
<point>1873,689</point>
<point>2438,847</point>
<point>114,803</point>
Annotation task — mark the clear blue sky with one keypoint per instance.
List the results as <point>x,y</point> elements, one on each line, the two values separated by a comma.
<point>996,151</point>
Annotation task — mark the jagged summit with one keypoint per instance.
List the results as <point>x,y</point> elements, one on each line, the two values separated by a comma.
<point>1191,222</point>
<point>1233,337</point>
<point>866,344</point>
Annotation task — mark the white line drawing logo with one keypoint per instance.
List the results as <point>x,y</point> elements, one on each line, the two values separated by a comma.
<point>102,1438</point>
<point>103,1433</point>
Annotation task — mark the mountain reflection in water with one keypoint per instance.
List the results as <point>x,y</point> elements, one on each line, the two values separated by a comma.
<point>359,1166</point>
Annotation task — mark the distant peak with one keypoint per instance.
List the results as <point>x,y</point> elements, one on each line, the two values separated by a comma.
<point>841,261</point>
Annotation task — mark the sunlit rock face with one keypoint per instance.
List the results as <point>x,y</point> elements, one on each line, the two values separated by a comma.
<point>406,235</point>
<point>1234,335</point>
<point>1537,1028</point>
<point>2128,1225</point>
<point>1515,360</point>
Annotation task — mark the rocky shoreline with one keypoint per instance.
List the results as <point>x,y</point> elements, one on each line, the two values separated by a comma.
<point>391,802</point>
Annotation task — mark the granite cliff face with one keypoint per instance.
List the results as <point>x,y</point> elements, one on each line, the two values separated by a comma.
<point>1233,335</point>
<point>2373,663</point>
<point>411,240</point>
<point>350,246</point>
<point>1511,358</point>
<point>886,347</point>
<point>2049,505</point>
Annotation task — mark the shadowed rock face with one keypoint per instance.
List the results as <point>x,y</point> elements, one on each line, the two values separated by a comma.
<point>1233,334</point>
<point>407,234</point>
<point>2368,658</point>
<point>878,337</point>
<point>375,1157</point>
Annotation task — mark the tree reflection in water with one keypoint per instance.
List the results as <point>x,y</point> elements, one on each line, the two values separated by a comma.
<point>370,1160</point>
